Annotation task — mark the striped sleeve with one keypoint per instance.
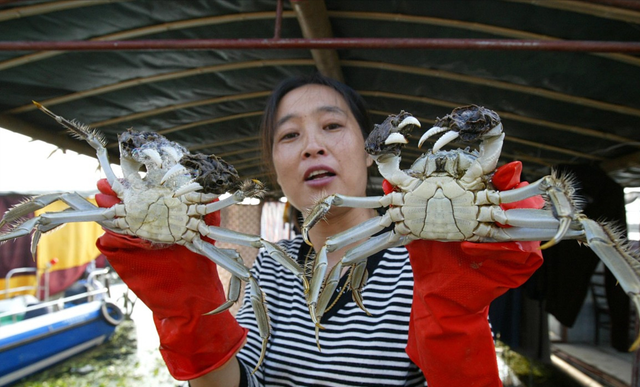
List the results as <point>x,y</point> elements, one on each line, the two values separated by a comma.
<point>356,349</point>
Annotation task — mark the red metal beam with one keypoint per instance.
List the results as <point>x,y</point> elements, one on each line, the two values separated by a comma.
<point>327,43</point>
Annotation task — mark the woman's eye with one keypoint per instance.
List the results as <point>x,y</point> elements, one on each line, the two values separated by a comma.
<point>333,126</point>
<point>289,136</point>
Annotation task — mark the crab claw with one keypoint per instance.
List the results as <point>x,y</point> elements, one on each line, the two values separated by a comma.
<point>174,171</point>
<point>469,123</point>
<point>442,141</point>
<point>391,135</point>
<point>398,137</point>
<point>153,156</point>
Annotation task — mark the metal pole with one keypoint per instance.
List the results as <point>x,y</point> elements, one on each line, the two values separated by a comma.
<point>327,43</point>
<point>278,27</point>
<point>635,370</point>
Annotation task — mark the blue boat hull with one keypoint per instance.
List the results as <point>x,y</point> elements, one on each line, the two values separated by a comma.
<point>31,345</point>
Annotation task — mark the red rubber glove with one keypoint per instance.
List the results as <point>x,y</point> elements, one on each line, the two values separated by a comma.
<point>454,283</point>
<point>179,286</point>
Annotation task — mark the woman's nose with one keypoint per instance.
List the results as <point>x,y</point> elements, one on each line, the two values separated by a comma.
<point>314,147</point>
<point>310,152</point>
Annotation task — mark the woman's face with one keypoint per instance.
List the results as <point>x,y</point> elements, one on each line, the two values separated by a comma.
<point>318,147</point>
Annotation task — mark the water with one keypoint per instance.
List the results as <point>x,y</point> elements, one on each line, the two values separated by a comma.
<point>130,359</point>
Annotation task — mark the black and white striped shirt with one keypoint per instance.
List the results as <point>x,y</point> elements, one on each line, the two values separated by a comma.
<point>357,350</point>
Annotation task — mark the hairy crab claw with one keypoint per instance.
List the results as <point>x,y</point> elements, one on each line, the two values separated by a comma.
<point>175,167</point>
<point>391,135</point>
<point>469,123</point>
<point>91,136</point>
<point>158,156</point>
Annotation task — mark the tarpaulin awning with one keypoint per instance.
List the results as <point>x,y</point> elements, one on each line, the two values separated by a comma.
<point>563,75</point>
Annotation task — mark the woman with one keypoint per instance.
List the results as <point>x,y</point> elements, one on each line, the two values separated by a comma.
<point>313,132</point>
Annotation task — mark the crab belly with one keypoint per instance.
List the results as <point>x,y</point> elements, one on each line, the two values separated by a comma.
<point>439,209</point>
<point>155,215</point>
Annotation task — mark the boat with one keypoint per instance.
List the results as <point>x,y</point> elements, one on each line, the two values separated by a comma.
<point>35,335</point>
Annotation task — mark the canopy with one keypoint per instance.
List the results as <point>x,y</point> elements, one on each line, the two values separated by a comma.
<point>563,75</point>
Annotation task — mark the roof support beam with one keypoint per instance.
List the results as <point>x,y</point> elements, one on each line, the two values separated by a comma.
<point>624,162</point>
<point>325,43</point>
<point>314,22</point>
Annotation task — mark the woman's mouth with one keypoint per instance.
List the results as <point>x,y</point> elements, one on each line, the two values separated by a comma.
<point>319,174</point>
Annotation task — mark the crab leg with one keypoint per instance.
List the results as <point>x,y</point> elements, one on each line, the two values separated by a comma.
<point>318,301</point>
<point>233,264</point>
<point>96,215</point>
<point>372,246</point>
<point>557,189</point>
<point>352,257</point>
<point>357,278</point>
<point>315,286</point>
<point>323,301</point>
<point>600,238</point>
<point>49,221</point>
<point>25,208</point>
<point>624,267</point>
<point>235,286</point>
<point>204,209</point>
<point>334,243</point>
<point>93,138</point>
<point>197,197</point>
<point>490,233</point>
<point>249,188</point>
<point>262,317</point>
<point>489,154</point>
<point>322,208</point>
<point>519,217</point>
<point>362,231</point>
<point>325,296</point>
<point>74,200</point>
<point>24,229</point>
<point>627,270</point>
<point>242,239</point>
<point>220,257</point>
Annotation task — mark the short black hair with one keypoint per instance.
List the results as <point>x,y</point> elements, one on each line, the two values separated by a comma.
<point>356,104</point>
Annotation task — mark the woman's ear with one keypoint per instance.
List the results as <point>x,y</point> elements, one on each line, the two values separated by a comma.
<point>369,160</point>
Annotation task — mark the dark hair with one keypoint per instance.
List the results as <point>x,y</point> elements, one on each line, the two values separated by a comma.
<point>355,102</point>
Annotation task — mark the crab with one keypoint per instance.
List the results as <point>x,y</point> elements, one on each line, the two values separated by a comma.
<point>165,206</point>
<point>447,196</point>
